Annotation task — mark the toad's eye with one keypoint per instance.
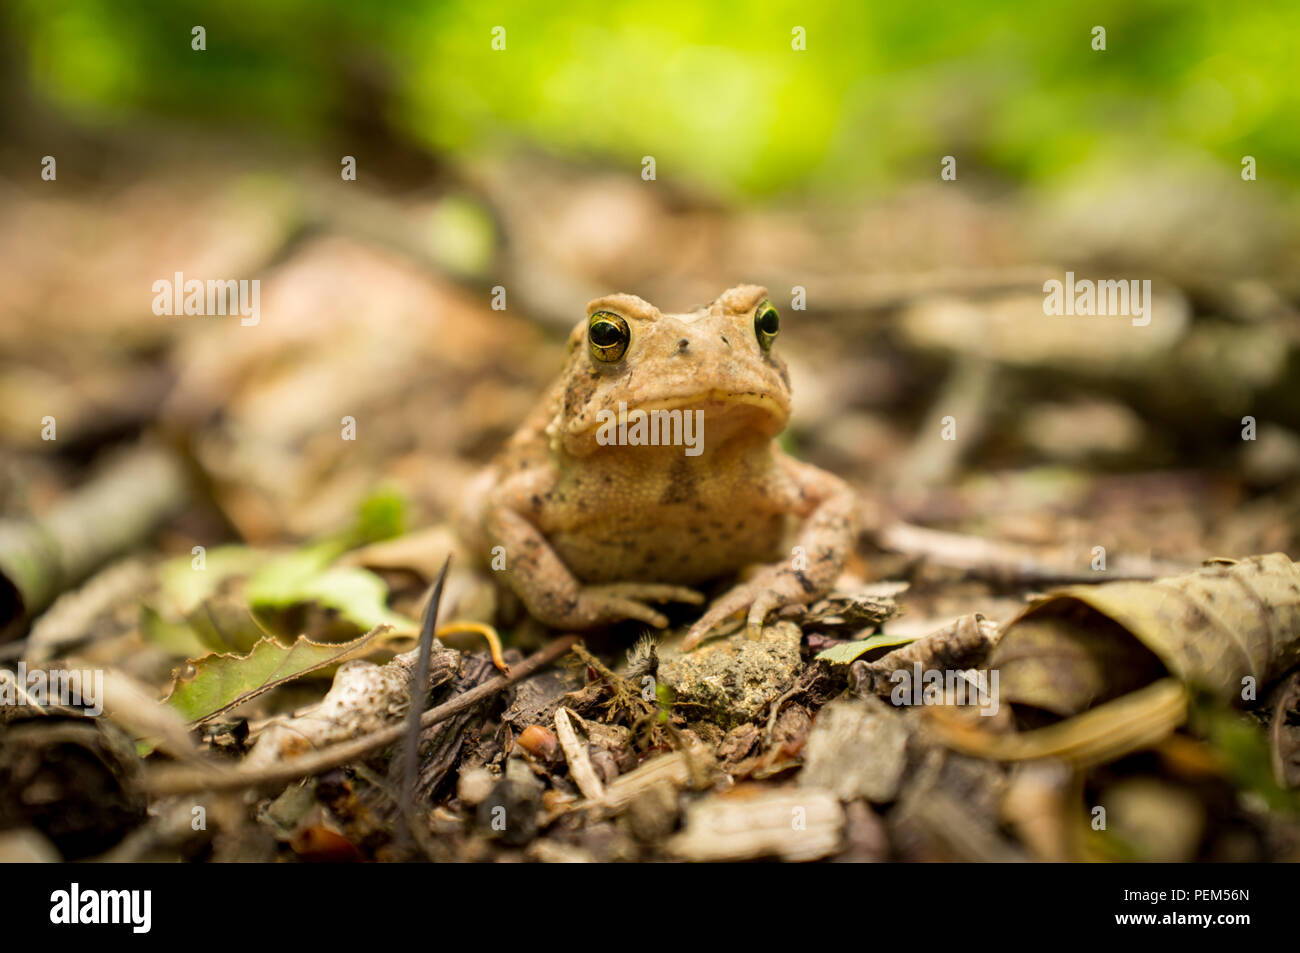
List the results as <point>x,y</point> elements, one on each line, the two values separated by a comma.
<point>766,325</point>
<point>607,336</point>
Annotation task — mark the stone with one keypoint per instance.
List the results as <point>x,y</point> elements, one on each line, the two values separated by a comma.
<point>734,680</point>
<point>858,749</point>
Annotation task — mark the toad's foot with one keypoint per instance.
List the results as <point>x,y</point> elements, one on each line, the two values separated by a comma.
<point>615,601</point>
<point>772,588</point>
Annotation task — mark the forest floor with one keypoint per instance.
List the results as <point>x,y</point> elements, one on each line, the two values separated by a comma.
<point>186,513</point>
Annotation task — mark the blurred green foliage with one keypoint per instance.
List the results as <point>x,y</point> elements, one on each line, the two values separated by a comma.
<point>713,91</point>
<point>381,515</point>
<point>1242,749</point>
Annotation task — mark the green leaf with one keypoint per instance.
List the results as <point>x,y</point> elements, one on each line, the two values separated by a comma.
<point>225,625</point>
<point>178,638</point>
<point>382,516</point>
<point>847,652</point>
<point>215,684</point>
<point>183,587</point>
<point>279,582</point>
<point>357,594</point>
<point>190,615</point>
<point>1242,749</point>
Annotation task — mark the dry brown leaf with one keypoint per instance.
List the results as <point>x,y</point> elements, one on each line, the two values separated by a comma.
<point>1139,720</point>
<point>1214,628</point>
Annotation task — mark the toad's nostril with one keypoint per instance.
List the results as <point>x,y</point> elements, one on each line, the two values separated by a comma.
<point>683,344</point>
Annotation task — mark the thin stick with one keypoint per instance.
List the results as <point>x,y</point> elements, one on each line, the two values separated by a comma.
<point>1008,562</point>
<point>186,780</point>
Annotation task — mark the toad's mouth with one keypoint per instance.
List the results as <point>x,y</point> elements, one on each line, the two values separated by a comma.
<point>718,406</point>
<point>718,401</point>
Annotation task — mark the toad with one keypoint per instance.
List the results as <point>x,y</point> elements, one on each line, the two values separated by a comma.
<point>650,468</point>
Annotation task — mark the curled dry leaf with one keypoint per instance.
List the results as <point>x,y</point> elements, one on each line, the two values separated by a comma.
<point>1139,720</point>
<point>1071,659</point>
<point>1214,628</point>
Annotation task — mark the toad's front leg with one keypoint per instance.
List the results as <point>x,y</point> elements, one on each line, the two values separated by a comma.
<point>554,596</point>
<point>824,542</point>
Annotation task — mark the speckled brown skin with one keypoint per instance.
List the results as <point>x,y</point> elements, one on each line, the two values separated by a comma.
<point>593,533</point>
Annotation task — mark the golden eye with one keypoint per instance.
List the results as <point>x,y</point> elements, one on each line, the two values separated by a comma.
<point>767,323</point>
<point>607,336</point>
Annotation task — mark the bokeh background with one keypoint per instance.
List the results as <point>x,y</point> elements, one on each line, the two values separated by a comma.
<point>521,168</point>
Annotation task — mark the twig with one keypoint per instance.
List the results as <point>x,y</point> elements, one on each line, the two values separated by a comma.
<point>581,769</point>
<point>118,507</point>
<point>187,780</point>
<point>625,694</point>
<point>1006,562</point>
<point>859,292</point>
<point>776,710</point>
<point>596,665</point>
